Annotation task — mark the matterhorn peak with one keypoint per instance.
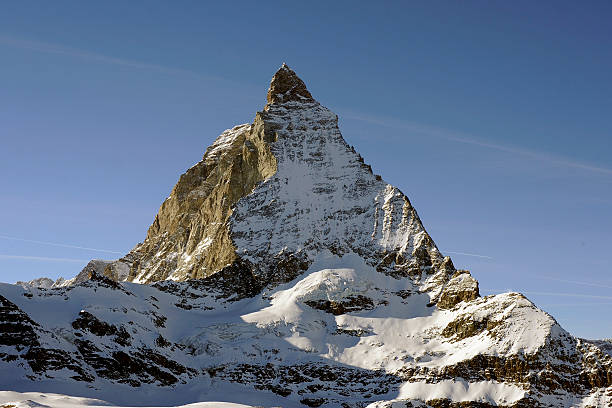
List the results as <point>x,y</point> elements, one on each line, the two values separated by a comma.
<point>271,198</point>
<point>287,86</point>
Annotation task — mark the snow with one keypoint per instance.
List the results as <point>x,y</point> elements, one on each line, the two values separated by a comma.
<point>322,196</point>
<point>491,392</point>
<point>43,400</point>
<point>392,333</point>
<point>482,391</point>
<point>400,331</point>
<point>225,141</point>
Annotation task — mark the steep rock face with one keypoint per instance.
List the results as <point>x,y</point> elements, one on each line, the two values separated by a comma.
<point>190,235</point>
<point>461,287</point>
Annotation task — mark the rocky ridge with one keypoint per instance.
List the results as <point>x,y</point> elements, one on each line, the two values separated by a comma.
<point>281,264</point>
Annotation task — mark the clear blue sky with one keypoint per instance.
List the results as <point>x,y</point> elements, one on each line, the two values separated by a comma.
<point>494,117</point>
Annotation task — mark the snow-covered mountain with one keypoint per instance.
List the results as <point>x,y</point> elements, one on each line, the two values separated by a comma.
<point>282,271</point>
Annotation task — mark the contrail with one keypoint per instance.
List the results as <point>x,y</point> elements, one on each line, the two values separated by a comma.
<point>50,48</point>
<point>569,295</point>
<point>596,285</point>
<point>468,254</point>
<point>59,245</point>
<point>465,139</point>
<point>561,294</point>
<point>42,258</point>
<point>387,122</point>
<point>574,304</point>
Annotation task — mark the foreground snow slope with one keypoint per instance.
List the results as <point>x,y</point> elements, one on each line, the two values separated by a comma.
<point>43,400</point>
<point>342,334</point>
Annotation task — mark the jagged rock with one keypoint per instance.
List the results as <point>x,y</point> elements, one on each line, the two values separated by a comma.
<point>45,283</point>
<point>16,327</point>
<point>461,287</point>
<point>95,266</point>
<point>287,86</point>
<point>23,335</point>
<point>349,304</point>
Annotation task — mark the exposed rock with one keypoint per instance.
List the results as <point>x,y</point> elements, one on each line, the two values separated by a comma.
<point>16,327</point>
<point>44,283</point>
<point>287,86</point>
<point>190,236</point>
<point>95,266</point>
<point>23,336</point>
<point>462,287</point>
<point>346,305</point>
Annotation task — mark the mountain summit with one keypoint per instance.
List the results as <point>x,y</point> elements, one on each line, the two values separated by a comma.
<point>269,198</point>
<point>281,271</point>
<point>287,86</point>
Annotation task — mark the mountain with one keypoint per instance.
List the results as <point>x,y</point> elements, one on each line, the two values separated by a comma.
<point>282,271</point>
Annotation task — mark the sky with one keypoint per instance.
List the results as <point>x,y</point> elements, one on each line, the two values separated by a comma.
<point>494,117</point>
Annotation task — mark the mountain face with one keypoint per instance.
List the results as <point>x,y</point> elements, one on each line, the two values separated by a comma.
<point>272,195</point>
<point>282,271</point>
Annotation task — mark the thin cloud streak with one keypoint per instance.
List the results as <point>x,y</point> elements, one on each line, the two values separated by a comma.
<point>574,304</point>
<point>59,244</point>
<point>50,48</point>
<point>468,254</point>
<point>42,258</point>
<point>573,282</point>
<point>461,138</point>
<point>387,122</point>
<point>560,294</point>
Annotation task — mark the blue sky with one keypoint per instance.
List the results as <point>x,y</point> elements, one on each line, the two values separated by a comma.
<point>494,117</point>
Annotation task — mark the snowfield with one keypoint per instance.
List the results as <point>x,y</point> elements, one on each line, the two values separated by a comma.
<point>11,399</point>
<point>391,328</point>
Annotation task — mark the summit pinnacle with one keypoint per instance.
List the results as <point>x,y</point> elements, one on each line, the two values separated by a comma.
<point>287,86</point>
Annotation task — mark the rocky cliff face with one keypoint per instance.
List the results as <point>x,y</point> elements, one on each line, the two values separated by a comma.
<point>282,269</point>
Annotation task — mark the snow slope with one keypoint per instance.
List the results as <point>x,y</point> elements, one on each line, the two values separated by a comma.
<point>290,344</point>
<point>43,400</point>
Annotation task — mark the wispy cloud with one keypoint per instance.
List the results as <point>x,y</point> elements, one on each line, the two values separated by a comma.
<point>588,304</point>
<point>416,128</point>
<point>575,282</point>
<point>458,137</point>
<point>51,48</point>
<point>59,244</point>
<point>468,254</point>
<point>42,258</point>
<point>556,294</point>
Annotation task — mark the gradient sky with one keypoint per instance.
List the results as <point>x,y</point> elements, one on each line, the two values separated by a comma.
<point>494,117</point>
